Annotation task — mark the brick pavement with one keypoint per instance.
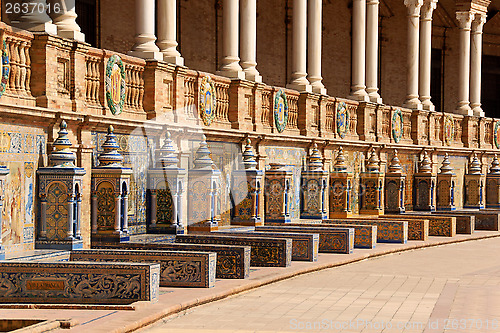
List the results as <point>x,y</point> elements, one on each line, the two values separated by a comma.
<point>425,290</point>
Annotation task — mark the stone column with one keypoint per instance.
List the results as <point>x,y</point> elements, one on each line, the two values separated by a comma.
<point>35,20</point>
<point>167,31</point>
<point>145,38</point>
<point>230,66</point>
<point>475,58</point>
<point>175,201</point>
<point>426,54</point>
<point>78,234</point>
<point>464,23</point>
<point>71,219</point>
<point>125,214</point>
<point>314,11</point>
<point>154,207</point>
<point>43,218</point>
<point>358,56</point>
<point>248,43</point>
<point>298,80</point>
<point>118,206</point>
<point>65,19</point>
<point>412,101</point>
<point>372,51</point>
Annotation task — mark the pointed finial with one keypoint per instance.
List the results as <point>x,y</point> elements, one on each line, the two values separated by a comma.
<point>474,165</point>
<point>167,156</point>
<point>425,165</point>
<point>203,160</point>
<point>62,156</point>
<point>249,161</point>
<point>340,164</point>
<point>446,168</point>
<point>395,166</point>
<point>315,163</point>
<point>373,162</point>
<point>111,157</point>
<point>495,166</point>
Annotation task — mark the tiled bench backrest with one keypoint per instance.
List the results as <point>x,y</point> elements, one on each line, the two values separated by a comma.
<point>177,268</point>
<point>233,262</point>
<point>78,282</point>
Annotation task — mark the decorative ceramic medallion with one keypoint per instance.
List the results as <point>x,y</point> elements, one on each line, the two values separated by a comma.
<point>280,111</point>
<point>115,84</point>
<point>207,100</point>
<point>5,68</point>
<point>449,129</point>
<point>496,134</point>
<point>397,125</point>
<point>342,119</point>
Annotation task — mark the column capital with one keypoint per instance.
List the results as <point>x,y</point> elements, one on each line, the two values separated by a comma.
<point>464,20</point>
<point>428,8</point>
<point>413,7</point>
<point>478,23</point>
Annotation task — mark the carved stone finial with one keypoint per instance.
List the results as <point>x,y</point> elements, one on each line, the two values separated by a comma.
<point>62,156</point>
<point>495,166</point>
<point>446,168</point>
<point>203,161</point>
<point>474,166</point>
<point>249,161</point>
<point>340,164</point>
<point>168,157</point>
<point>111,157</point>
<point>373,162</point>
<point>315,163</point>
<point>425,165</point>
<point>395,166</point>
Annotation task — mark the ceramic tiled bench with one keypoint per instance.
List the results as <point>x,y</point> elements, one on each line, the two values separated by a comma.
<point>365,236</point>
<point>177,268</point>
<point>445,226</point>
<point>387,231</point>
<point>233,262</point>
<point>304,246</point>
<point>338,240</point>
<point>78,282</point>
<point>486,219</point>
<point>265,252</point>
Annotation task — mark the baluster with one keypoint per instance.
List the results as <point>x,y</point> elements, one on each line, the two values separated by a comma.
<point>27,58</point>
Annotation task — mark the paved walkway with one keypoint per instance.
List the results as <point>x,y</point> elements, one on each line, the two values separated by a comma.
<point>452,288</point>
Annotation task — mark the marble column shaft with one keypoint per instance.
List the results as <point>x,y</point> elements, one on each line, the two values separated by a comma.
<point>298,79</point>
<point>358,56</point>
<point>372,10</point>
<point>412,100</point>
<point>464,20</point>
<point>145,38</point>
<point>426,54</point>
<point>476,54</point>
<point>248,45</point>
<point>314,53</point>
<point>230,66</point>
<point>167,31</point>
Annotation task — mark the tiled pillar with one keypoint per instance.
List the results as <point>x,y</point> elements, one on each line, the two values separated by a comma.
<point>426,53</point>
<point>413,10</point>
<point>298,79</point>
<point>167,31</point>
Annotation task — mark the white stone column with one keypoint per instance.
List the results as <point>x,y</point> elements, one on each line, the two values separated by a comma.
<point>36,20</point>
<point>230,66</point>
<point>167,31</point>
<point>154,208</point>
<point>372,51</point>
<point>315,27</point>
<point>412,101</point>
<point>464,23</point>
<point>248,44</point>
<point>426,54</point>
<point>118,207</point>
<point>71,218</point>
<point>298,79</point>
<point>64,16</point>
<point>475,59</point>
<point>358,56</point>
<point>145,38</point>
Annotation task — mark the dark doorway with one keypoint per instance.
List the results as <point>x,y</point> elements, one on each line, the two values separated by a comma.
<point>88,20</point>
<point>490,86</point>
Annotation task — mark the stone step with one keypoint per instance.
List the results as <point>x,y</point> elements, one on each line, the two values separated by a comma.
<point>387,231</point>
<point>177,268</point>
<point>78,282</point>
<point>233,262</point>
<point>265,252</point>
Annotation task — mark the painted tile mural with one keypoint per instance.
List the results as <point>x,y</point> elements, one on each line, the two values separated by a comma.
<point>136,151</point>
<point>21,150</point>
<point>294,158</point>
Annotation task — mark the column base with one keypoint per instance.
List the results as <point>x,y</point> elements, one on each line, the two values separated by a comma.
<point>375,97</point>
<point>302,87</point>
<point>477,110</point>
<point>176,60</point>
<point>255,77</point>
<point>318,88</point>
<point>359,95</point>
<point>428,105</point>
<point>49,28</point>
<point>76,35</point>
<point>149,55</point>
<point>237,75</point>
<point>413,103</point>
<point>464,109</point>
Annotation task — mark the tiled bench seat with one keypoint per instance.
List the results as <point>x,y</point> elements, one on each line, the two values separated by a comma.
<point>331,240</point>
<point>177,268</point>
<point>387,231</point>
<point>304,246</point>
<point>486,219</point>
<point>265,252</point>
<point>438,225</point>
<point>233,262</point>
<point>78,282</point>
